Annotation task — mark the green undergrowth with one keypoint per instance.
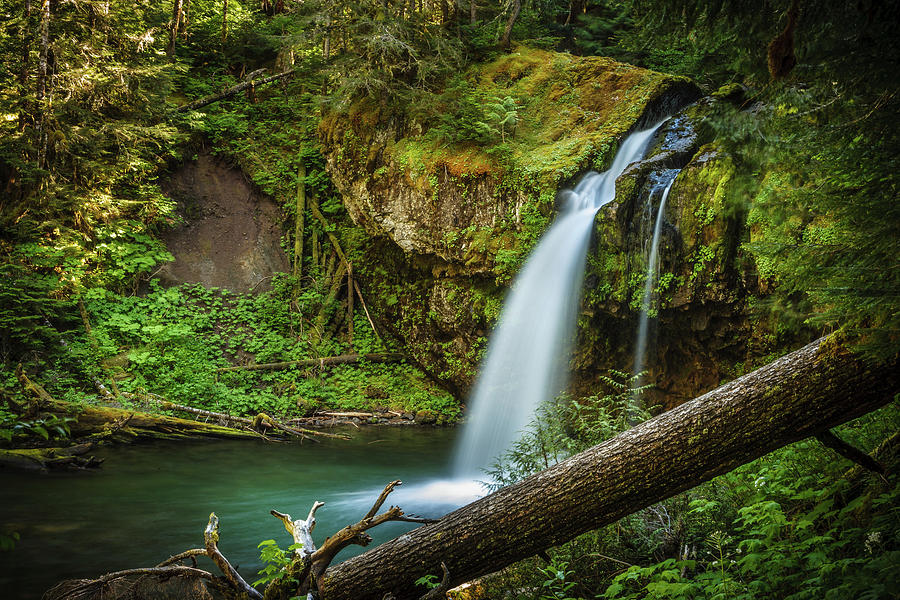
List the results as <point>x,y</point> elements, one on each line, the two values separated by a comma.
<point>168,343</point>
<point>798,523</point>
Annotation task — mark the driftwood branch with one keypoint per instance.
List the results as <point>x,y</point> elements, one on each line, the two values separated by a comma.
<point>211,539</point>
<point>325,361</point>
<point>310,563</point>
<point>252,82</point>
<point>381,498</point>
<point>301,530</point>
<point>182,555</point>
<point>91,588</point>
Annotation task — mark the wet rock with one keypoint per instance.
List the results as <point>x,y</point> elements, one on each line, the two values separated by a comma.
<point>426,417</point>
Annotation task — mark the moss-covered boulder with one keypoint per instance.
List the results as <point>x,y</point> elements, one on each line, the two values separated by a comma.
<point>702,287</point>
<point>481,205</point>
<point>449,221</point>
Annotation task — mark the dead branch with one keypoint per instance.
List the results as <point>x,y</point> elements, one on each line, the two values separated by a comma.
<point>850,452</point>
<point>301,530</point>
<point>211,538</point>
<point>365,309</point>
<point>381,498</point>
<point>183,555</point>
<point>310,565</point>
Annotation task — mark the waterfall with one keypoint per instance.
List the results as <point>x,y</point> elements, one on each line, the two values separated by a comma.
<point>640,347</point>
<point>528,353</point>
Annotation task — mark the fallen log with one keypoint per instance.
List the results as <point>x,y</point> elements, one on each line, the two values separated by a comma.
<point>260,420</point>
<point>347,415</point>
<point>251,82</point>
<point>325,361</point>
<point>799,395</point>
<point>44,459</point>
<point>107,422</point>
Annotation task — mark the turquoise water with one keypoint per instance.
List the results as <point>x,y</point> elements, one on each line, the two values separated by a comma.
<point>150,501</point>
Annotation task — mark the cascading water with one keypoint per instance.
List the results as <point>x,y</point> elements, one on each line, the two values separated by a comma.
<point>528,354</point>
<point>640,347</point>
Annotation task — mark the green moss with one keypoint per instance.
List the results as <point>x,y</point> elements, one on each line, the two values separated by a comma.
<point>571,112</point>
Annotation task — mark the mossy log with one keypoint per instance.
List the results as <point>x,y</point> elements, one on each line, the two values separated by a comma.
<point>799,395</point>
<point>129,425</point>
<point>260,421</point>
<point>43,459</point>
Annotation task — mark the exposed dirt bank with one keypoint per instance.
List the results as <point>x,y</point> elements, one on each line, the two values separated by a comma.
<point>230,237</point>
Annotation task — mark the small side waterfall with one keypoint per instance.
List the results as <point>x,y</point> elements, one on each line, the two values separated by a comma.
<point>640,347</point>
<point>528,354</point>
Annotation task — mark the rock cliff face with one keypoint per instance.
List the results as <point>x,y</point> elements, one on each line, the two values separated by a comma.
<point>448,223</point>
<point>699,299</point>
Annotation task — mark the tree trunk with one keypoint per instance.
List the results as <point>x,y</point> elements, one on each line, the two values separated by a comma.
<point>350,302</point>
<point>43,85</point>
<point>299,224</point>
<point>224,21</point>
<point>26,112</point>
<point>799,395</point>
<point>185,17</point>
<point>175,26</point>
<point>516,9</point>
<point>326,42</point>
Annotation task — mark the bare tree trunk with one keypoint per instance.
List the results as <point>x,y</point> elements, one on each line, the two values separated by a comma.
<point>43,85</point>
<point>326,43</point>
<point>184,20</point>
<point>224,21</point>
<point>26,111</point>
<point>473,9</point>
<point>802,394</point>
<point>516,9</point>
<point>299,223</point>
<point>350,302</point>
<point>177,13</point>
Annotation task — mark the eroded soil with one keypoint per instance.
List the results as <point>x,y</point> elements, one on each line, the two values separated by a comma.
<point>230,236</point>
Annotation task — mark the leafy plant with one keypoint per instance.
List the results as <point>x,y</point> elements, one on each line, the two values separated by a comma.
<point>430,581</point>
<point>51,426</point>
<point>277,563</point>
<point>557,584</point>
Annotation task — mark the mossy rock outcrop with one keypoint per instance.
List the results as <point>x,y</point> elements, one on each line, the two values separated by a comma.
<point>700,296</point>
<point>449,224</point>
